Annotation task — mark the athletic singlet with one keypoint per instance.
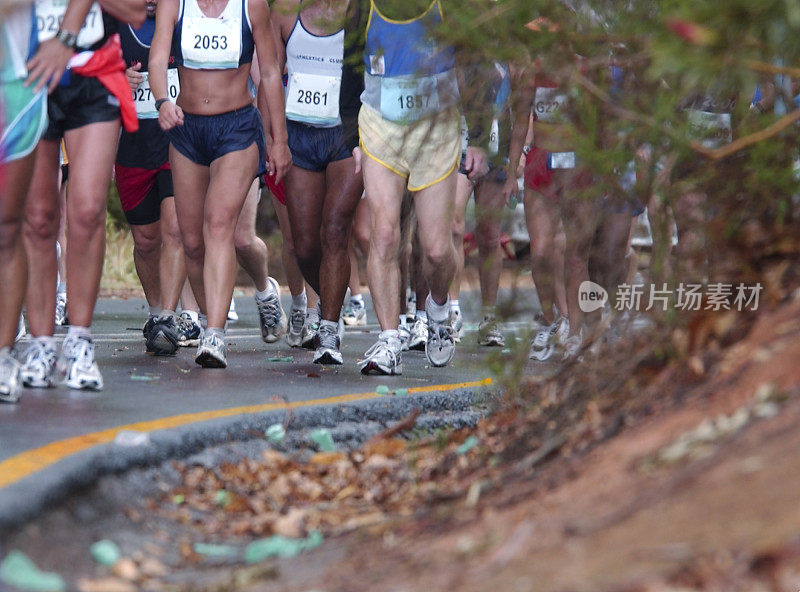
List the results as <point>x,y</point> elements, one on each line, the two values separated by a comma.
<point>136,49</point>
<point>96,30</point>
<point>314,75</point>
<point>549,101</point>
<point>494,83</point>
<point>19,43</point>
<point>204,43</point>
<point>710,120</point>
<point>409,74</point>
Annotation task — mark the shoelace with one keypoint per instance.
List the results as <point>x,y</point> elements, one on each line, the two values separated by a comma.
<point>328,337</point>
<point>184,325</point>
<point>381,347</point>
<point>298,320</point>
<point>270,311</point>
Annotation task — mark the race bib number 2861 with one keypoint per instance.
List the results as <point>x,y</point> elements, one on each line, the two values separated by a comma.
<point>50,13</point>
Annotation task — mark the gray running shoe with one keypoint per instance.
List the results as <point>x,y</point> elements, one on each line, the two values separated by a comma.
<point>212,352</point>
<point>163,338</point>
<point>419,335</point>
<point>383,358</point>
<point>77,367</point>
<point>405,335</point>
<point>310,327</point>
<point>271,316</point>
<point>441,344</point>
<point>10,382</point>
<point>39,365</point>
<point>189,332</point>
<point>489,334</point>
<point>547,338</point>
<point>355,313</point>
<point>61,309</point>
<point>297,320</point>
<point>21,331</point>
<point>457,322</point>
<point>327,344</point>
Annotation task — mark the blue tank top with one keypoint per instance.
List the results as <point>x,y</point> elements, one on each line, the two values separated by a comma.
<point>204,43</point>
<point>409,74</point>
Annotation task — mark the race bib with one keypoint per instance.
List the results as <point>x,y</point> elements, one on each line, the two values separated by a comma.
<point>408,100</point>
<point>313,98</point>
<point>464,134</point>
<point>494,138</point>
<point>145,101</point>
<point>549,103</point>
<point>209,43</point>
<point>711,129</point>
<point>50,13</point>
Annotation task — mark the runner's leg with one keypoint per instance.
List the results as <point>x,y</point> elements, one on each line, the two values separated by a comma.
<point>251,252</point>
<point>147,260</point>
<point>489,205</point>
<point>172,268</point>
<point>305,197</point>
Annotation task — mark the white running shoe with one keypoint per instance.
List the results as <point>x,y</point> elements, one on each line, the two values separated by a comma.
<point>76,365</point>
<point>326,345</point>
<point>572,346</point>
<point>457,322</point>
<point>355,313</point>
<point>10,383</point>
<point>310,327</point>
<point>189,332</point>
<point>233,316</point>
<point>405,335</point>
<point>419,335</point>
<point>441,345</point>
<point>39,365</point>
<point>212,352</point>
<point>297,320</point>
<point>548,337</point>
<point>271,317</point>
<point>383,358</point>
<point>61,309</point>
<point>21,331</point>
<point>411,308</point>
<point>489,334</point>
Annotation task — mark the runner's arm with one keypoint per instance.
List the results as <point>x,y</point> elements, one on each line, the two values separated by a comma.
<point>126,11</point>
<point>169,115</point>
<point>523,89</point>
<point>48,64</point>
<point>279,157</point>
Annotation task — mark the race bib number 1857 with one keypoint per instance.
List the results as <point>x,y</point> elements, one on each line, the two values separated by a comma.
<point>407,100</point>
<point>50,13</point>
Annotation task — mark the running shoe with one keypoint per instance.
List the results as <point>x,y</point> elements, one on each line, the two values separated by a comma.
<point>572,346</point>
<point>355,313</point>
<point>489,334</point>
<point>10,383</point>
<point>411,308</point>
<point>148,325</point>
<point>212,352</point>
<point>441,345</point>
<point>457,322</point>
<point>405,335</point>
<point>419,335</point>
<point>327,344</point>
<point>383,358</point>
<point>61,309</point>
<point>271,316</point>
<point>297,321</point>
<point>39,365</point>
<point>310,328</point>
<point>77,367</point>
<point>189,331</point>
<point>233,316</point>
<point>21,331</point>
<point>162,340</point>
<point>548,337</point>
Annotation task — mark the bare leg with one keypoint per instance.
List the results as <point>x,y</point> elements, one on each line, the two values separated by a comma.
<point>542,216</point>
<point>147,259</point>
<point>293,276</point>
<point>251,252</point>
<point>172,268</point>
<point>463,191</point>
<point>489,212</point>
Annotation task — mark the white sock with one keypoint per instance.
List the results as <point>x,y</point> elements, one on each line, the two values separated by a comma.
<point>48,341</point>
<point>166,312</point>
<point>357,298</point>
<point>438,313</point>
<point>75,331</point>
<point>422,316</point>
<point>454,305</point>
<point>192,315</point>
<point>300,302</point>
<point>155,310</point>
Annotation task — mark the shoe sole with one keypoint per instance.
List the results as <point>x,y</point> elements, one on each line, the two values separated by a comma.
<point>84,385</point>
<point>439,363</point>
<point>373,368</point>
<point>327,358</point>
<point>492,343</point>
<point>9,398</point>
<point>544,356</point>
<point>206,360</point>
<point>188,342</point>
<point>162,345</point>
<point>351,322</point>
<point>293,340</point>
<point>29,383</point>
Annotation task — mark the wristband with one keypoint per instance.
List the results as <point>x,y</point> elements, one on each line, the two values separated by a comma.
<point>68,40</point>
<point>159,103</point>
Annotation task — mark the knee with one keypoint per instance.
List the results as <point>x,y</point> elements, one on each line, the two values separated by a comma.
<point>439,253</point>
<point>335,235</point>
<point>41,223</point>
<point>307,251</point>
<point>146,243</point>
<point>220,227</point>
<point>385,242</point>
<point>193,246</point>
<point>487,237</point>
<point>459,229</point>
<point>87,217</point>
<point>243,241</point>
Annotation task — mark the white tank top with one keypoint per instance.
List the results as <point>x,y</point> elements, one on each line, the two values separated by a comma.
<point>314,68</point>
<point>15,34</point>
<point>212,43</point>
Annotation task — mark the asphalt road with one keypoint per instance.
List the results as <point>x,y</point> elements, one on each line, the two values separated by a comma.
<point>54,437</point>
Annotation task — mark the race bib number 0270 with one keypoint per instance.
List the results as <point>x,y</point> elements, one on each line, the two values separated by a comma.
<point>145,101</point>
<point>50,13</point>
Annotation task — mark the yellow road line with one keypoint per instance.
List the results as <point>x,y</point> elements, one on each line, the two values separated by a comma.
<point>26,463</point>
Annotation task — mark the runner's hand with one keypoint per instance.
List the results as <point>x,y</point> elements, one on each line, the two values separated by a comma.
<point>169,116</point>
<point>280,159</point>
<point>47,66</point>
<point>357,157</point>
<point>476,164</point>
<point>510,187</point>
<point>135,78</point>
